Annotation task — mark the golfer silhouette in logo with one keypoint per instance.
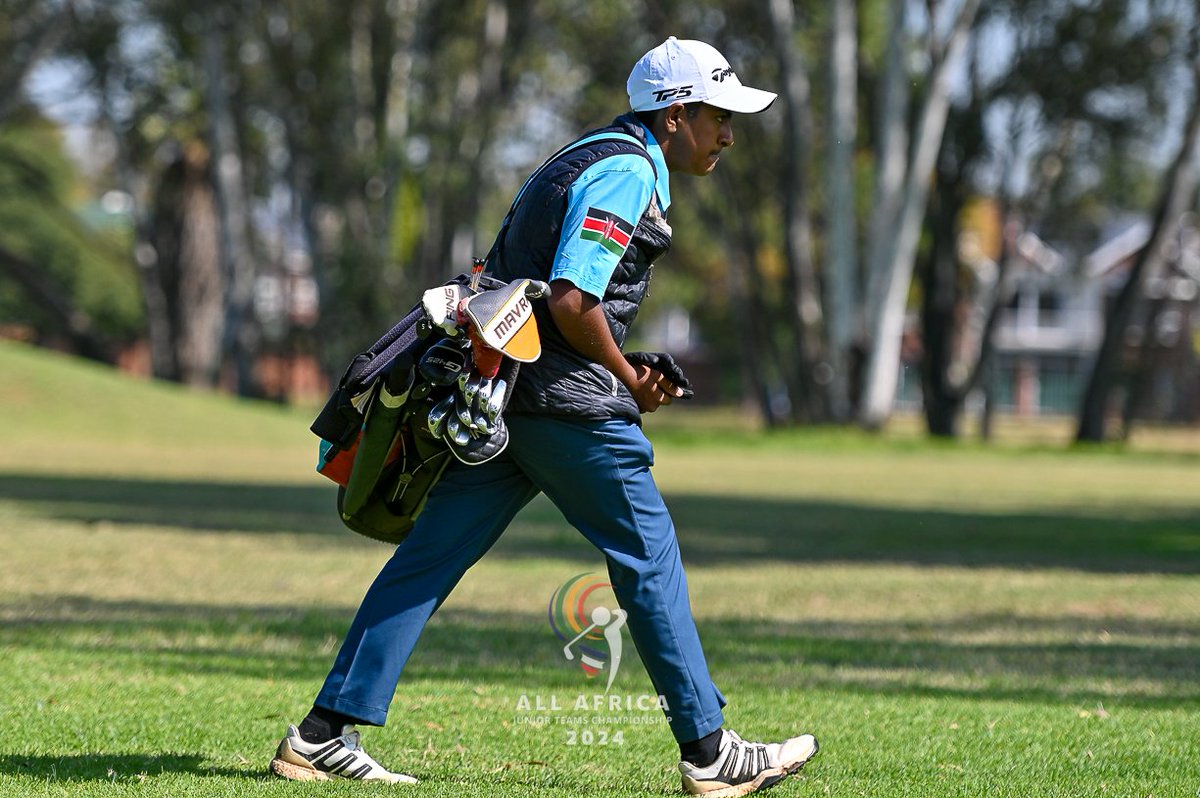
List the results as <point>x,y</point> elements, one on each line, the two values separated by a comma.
<point>610,621</point>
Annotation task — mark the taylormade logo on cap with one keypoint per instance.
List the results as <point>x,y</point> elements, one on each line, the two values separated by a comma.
<point>689,71</point>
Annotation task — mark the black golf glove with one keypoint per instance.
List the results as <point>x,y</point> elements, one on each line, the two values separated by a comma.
<point>664,363</point>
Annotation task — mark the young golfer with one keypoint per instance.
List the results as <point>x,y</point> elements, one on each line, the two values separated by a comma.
<point>591,222</point>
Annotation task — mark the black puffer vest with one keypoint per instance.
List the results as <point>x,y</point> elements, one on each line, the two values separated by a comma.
<point>564,382</point>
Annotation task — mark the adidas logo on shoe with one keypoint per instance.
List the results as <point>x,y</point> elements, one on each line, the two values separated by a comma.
<point>342,757</point>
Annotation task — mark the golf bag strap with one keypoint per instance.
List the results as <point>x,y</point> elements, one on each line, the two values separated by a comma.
<point>623,138</point>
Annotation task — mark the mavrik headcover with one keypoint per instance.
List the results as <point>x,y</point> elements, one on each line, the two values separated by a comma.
<point>503,318</point>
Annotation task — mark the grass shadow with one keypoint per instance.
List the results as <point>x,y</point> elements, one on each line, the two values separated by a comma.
<point>113,767</point>
<point>1061,659</point>
<point>215,505</point>
<point>713,529</point>
<point>727,530</point>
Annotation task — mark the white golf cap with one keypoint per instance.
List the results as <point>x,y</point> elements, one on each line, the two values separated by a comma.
<point>689,71</point>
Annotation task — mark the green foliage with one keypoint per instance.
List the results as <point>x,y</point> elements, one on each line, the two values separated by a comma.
<point>38,184</point>
<point>489,88</point>
<point>1093,84</point>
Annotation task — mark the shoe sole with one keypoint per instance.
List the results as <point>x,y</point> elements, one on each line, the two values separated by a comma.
<point>765,780</point>
<point>293,772</point>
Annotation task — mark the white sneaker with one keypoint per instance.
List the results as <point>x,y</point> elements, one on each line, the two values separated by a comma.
<point>742,768</point>
<point>342,756</point>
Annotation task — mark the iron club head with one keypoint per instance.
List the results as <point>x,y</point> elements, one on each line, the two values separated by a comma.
<point>495,402</point>
<point>438,414</point>
<point>457,433</point>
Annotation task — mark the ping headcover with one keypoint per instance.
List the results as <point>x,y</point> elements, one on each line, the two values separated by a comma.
<point>441,306</point>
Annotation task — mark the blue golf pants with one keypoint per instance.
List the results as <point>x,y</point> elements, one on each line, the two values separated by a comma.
<point>598,475</point>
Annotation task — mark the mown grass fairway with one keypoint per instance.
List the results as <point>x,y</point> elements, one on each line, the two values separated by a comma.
<point>948,620</point>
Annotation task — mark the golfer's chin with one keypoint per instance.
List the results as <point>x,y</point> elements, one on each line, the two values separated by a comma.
<point>708,165</point>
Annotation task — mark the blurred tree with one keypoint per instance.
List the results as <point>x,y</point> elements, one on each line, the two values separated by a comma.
<point>842,282</point>
<point>29,31</point>
<point>387,111</point>
<point>1177,197</point>
<point>1029,142</point>
<point>146,81</point>
<point>57,276</point>
<point>889,278</point>
<point>377,143</point>
<point>803,301</point>
<point>183,229</point>
<point>66,282</point>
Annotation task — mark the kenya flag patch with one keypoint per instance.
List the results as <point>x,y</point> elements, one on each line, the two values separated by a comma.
<point>609,230</point>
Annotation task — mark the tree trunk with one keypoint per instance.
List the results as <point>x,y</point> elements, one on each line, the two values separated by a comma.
<point>883,364</point>
<point>1143,374</point>
<point>750,315</point>
<point>748,302</point>
<point>199,301</point>
<point>240,342</point>
<point>455,168</point>
<point>890,160</point>
<point>841,279</point>
<point>803,306</point>
<point>1178,195</point>
<point>942,402</point>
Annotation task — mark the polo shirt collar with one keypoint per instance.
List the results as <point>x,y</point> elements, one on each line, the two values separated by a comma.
<point>662,183</point>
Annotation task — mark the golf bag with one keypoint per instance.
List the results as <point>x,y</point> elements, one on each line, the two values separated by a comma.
<point>431,389</point>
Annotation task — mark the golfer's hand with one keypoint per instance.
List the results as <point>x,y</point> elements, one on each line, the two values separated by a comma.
<point>652,390</point>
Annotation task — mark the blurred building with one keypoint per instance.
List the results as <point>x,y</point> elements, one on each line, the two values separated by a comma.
<point>1053,321</point>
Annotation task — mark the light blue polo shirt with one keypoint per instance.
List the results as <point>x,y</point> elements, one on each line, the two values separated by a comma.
<point>604,205</point>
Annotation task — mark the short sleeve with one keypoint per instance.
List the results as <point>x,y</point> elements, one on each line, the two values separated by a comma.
<point>604,205</point>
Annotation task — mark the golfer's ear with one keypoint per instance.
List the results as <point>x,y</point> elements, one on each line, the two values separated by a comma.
<point>674,115</point>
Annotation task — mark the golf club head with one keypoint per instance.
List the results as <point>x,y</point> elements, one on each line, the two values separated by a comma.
<point>436,422</point>
<point>470,388</point>
<point>443,363</point>
<point>456,432</point>
<point>484,394</point>
<point>495,402</point>
<point>463,412</point>
<point>479,419</point>
<point>480,449</point>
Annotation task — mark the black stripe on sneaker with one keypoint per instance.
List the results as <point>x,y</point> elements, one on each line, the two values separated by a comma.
<point>342,764</point>
<point>731,767</point>
<point>360,772</point>
<point>744,763</point>
<point>333,746</point>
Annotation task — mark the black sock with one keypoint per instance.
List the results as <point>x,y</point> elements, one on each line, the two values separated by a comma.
<point>322,725</point>
<point>702,752</point>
